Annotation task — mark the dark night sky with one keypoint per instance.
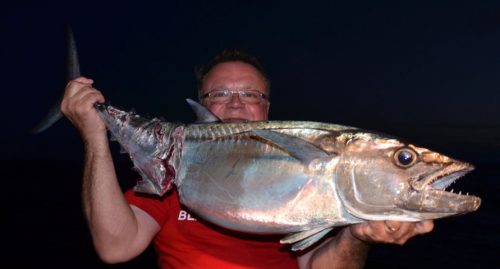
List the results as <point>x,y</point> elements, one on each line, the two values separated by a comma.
<point>427,72</point>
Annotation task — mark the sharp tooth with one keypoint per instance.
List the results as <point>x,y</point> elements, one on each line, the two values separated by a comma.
<point>451,191</point>
<point>460,192</point>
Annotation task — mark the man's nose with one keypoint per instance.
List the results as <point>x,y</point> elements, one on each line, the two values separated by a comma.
<point>235,100</point>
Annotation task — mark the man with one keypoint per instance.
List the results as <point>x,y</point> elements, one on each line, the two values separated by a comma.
<point>233,87</point>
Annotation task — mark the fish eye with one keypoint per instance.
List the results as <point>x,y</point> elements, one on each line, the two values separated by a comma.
<point>405,157</point>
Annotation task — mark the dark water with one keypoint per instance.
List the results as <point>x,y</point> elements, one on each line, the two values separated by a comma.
<point>43,225</point>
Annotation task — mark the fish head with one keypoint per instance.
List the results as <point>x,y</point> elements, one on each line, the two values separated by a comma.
<point>385,179</point>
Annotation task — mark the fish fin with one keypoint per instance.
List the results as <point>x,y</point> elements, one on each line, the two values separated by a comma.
<point>298,236</point>
<point>203,115</point>
<point>53,115</point>
<point>296,147</point>
<point>146,184</point>
<point>302,240</point>
<point>72,71</point>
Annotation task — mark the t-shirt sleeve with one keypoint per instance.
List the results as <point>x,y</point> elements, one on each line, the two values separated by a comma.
<point>156,207</point>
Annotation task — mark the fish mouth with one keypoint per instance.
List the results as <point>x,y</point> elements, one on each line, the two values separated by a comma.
<point>442,178</point>
<point>430,195</point>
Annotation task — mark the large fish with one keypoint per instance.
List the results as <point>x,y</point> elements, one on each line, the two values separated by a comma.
<point>296,178</point>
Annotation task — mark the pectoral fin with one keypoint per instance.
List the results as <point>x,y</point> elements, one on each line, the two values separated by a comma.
<point>298,148</point>
<point>302,240</point>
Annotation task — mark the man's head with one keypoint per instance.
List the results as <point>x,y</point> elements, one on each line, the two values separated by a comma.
<point>234,87</point>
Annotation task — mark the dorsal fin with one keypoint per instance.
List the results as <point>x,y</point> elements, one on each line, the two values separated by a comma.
<point>203,115</point>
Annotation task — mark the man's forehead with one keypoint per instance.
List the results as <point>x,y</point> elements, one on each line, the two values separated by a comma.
<point>234,67</point>
<point>234,74</point>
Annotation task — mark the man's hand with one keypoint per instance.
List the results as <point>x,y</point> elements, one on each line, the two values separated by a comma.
<point>349,247</point>
<point>394,232</point>
<point>78,106</point>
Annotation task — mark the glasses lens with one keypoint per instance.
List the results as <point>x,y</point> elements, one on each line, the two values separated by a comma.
<point>220,96</point>
<point>250,97</point>
<point>245,96</point>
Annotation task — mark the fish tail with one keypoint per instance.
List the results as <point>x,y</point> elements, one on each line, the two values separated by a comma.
<point>72,72</point>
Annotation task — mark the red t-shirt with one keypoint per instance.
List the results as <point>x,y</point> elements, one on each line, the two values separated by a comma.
<point>185,242</point>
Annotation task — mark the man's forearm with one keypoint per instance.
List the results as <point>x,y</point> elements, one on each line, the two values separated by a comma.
<point>111,221</point>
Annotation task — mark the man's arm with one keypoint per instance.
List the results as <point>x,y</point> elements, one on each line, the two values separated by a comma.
<point>349,248</point>
<point>119,231</point>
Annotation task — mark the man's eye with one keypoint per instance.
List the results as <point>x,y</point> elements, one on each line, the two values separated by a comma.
<point>249,95</point>
<point>219,94</point>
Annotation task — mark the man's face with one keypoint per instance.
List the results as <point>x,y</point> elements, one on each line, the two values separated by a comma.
<point>235,76</point>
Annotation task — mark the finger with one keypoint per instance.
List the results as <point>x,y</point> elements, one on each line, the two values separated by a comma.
<point>411,229</point>
<point>84,80</point>
<point>76,85</point>
<point>373,232</point>
<point>378,232</point>
<point>406,227</point>
<point>394,232</point>
<point>392,226</point>
<point>424,226</point>
<point>76,89</point>
<point>362,231</point>
<point>88,97</point>
<point>81,101</point>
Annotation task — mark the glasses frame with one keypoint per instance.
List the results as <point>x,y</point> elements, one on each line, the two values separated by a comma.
<point>258,93</point>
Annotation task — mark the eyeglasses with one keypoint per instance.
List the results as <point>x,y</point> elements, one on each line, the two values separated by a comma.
<point>224,96</point>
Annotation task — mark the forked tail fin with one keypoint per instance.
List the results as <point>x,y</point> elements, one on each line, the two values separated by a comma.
<point>72,71</point>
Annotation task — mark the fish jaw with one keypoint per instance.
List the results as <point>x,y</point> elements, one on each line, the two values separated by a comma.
<point>429,195</point>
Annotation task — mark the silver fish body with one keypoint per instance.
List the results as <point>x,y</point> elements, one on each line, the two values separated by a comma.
<point>245,183</point>
<point>297,178</point>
